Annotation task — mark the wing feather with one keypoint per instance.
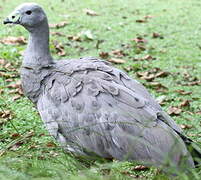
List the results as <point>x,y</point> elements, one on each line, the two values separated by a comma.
<point>95,108</point>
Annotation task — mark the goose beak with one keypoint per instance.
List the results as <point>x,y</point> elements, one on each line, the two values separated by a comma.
<point>13,18</point>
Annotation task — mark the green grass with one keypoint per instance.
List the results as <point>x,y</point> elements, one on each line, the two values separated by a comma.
<point>179,52</point>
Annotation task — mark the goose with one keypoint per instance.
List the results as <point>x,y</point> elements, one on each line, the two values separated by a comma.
<point>94,109</point>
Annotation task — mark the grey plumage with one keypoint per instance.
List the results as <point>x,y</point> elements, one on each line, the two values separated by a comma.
<point>91,107</point>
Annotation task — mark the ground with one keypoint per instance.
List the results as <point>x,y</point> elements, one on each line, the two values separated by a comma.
<point>155,41</point>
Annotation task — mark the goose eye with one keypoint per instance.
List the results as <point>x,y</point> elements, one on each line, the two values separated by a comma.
<point>28,12</point>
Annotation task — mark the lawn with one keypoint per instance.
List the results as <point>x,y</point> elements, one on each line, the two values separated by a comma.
<point>155,41</point>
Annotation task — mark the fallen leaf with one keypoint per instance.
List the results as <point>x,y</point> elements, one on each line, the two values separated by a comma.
<point>3,74</point>
<point>18,91</point>
<point>59,25</point>
<point>51,144</point>
<point>198,112</point>
<point>148,57</point>
<point>157,35</point>
<point>6,114</point>
<point>58,34</point>
<point>3,61</point>
<point>9,80</point>
<point>141,20</point>
<point>157,85</point>
<point>140,168</point>
<point>149,17</point>
<point>140,40</point>
<point>185,103</point>
<point>141,47</point>
<point>128,68</point>
<point>104,55</point>
<point>116,61</point>
<point>53,154</point>
<point>14,40</point>
<point>162,74</point>
<point>75,38</point>
<point>59,48</point>
<point>118,53</point>
<point>16,97</point>
<point>90,12</point>
<point>1,91</point>
<point>174,110</point>
<point>16,146</point>
<point>182,92</point>
<point>152,74</point>
<point>15,85</point>
<point>186,126</point>
<point>145,75</point>
<point>15,135</point>
<point>194,83</point>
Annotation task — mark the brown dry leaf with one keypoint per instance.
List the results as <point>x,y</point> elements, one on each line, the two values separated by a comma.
<point>18,91</point>
<point>198,112</point>
<point>1,91</point>
<point>14,40</point>
<point>9,80</point>
<point>116,60</point>
<point>148,17</point>
<point>15,135</point>
<point>59,25</point>
<point>157,35</point>
<point>75,38</point>
<point>16,146</point>
<point>15,85</point>
<point>58,34</point>
<point>16,97</point>
<point>148,57</point>
<point>140,168</point>
<point>6,114</point>
<point>51,144</point>
<point>185,103</point>
<point>59,48</point>
<point>104,55</point>
<point>186,126</point>
<point>128,68</point>
<point>140,40</point>
<point>146,75</point>
<point>53,154</point>
<point>90,12</point>
<point>194,83</point>
<point>174,110</point>
<point>3,61</point>
<point>182,92</point>
<point>157,85</point>
<point>162,74</point>
<point>152,74</point>
<point>5,75</point>
<point>118,53</point>
<point>141,47</point>
<point>141,20</point>
<point>7,65</point>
